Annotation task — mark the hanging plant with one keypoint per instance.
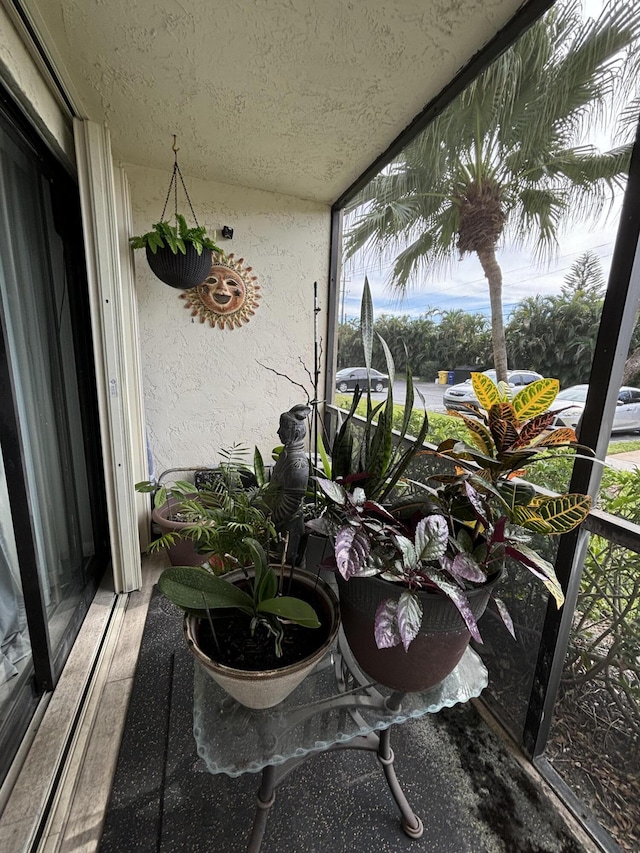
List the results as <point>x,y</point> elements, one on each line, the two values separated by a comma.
<point>178,255</point>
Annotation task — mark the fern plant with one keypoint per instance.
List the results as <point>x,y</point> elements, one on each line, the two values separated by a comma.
<point>174,237</point>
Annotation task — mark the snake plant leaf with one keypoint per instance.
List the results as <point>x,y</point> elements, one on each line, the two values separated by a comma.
<point>391,367</point>
<point>193,588</point>
<point>535,398</point>
<point>292,609</point>
<point>378,457</point>
<point>324,457</point>
<point>408,400</point>
<point>342,450</point>
<point>366,324</point>
<point>399,466</point>
<point>485,390</point>
<point>258,467</point>
<point>409,617</point>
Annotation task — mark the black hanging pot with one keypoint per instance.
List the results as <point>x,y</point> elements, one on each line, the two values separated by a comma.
<point>178,270</point>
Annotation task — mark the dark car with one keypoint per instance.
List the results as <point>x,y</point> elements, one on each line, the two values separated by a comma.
<point>349,377</point>
<point>460,397</point>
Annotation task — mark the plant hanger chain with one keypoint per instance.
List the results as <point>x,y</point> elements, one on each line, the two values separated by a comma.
<point>174,183</point>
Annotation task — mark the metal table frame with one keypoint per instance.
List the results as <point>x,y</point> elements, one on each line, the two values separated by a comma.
<point>353,701</point>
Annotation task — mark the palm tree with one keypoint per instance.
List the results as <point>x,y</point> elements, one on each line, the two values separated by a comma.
<point>505,158</point>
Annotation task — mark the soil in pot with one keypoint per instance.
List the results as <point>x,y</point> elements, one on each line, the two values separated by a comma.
<point>238,649</point>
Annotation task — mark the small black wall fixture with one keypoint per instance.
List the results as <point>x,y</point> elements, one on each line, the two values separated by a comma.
<point>227,232</point>
<point>178,255</point>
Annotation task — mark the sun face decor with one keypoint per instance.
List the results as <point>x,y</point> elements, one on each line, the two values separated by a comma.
<point>229,295</point>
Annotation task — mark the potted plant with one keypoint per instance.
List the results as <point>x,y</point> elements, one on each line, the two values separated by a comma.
<point>201,517</point>
<point>256,630</point>
<point>178,255</point>
<point>416,564</point>
<point>254,639</point>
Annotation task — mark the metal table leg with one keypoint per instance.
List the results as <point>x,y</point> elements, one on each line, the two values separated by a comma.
<point>411,823</point>
<point>265,799</point>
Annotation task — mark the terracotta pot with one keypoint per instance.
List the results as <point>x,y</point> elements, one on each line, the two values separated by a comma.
<point>178,270</point>
<point>432,655</point>
<point>269,687</point>
<point>183,553</point>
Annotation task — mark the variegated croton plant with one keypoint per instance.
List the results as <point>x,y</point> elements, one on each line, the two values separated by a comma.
<point>455,532</point>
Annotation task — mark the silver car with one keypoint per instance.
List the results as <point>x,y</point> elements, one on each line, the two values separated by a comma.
<point>569,405</point>
<point>460,397</point>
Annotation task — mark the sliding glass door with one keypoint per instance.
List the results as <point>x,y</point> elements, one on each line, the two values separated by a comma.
<point>53,540</point>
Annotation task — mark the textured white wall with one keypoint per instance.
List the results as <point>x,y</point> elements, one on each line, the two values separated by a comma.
<point>205,388</point>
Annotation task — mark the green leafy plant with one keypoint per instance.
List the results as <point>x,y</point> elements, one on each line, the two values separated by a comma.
<point>174,237</point>
<point>221,516</point>
<point>375,462</point>
<point>233,527</point>
<point>454,532</point>
<point>197,590</point>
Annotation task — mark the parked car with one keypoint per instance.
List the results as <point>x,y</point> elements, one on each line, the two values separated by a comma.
<point>570,405</point>
<point>349,377</point>
<point>460,397</point>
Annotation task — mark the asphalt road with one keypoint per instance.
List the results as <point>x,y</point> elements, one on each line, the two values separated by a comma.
<point>431,391</point>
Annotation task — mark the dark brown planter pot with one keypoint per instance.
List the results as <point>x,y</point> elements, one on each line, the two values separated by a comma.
<point>183,553</point>
<point>178,270</point>
<point>433,654</point>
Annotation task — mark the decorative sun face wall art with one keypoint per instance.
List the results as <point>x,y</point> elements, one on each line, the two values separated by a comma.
<point>229,295</point>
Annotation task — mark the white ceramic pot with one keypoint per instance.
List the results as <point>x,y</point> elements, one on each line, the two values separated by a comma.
<point>267,688</point>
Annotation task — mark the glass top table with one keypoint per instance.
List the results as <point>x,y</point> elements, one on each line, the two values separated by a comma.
<point>335,707</point>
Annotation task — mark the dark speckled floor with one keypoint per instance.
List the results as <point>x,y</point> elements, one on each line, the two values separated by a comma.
<point>472,796</point>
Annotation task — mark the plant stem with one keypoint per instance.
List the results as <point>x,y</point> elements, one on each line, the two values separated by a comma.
<point>213,630</point>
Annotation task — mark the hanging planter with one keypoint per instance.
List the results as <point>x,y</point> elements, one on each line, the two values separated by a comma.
<point>178,255</point>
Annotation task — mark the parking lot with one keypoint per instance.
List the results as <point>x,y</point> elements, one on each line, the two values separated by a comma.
<point>431,391</point>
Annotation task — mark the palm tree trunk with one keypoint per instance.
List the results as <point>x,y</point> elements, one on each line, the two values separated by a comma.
<point>493,274</point>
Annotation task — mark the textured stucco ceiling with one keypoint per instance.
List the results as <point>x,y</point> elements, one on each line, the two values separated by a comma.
<point>293,96</point>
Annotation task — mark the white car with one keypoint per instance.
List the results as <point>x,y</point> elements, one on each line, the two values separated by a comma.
<point>569,405</point>
<point>460,397</point>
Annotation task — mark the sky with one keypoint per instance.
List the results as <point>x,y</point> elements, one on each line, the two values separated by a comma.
<point>464,286</point>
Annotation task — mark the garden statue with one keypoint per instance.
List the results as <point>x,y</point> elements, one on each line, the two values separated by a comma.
<point>290,477</point>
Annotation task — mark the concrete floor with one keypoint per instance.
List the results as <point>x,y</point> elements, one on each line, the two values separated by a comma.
<point>473,792</point>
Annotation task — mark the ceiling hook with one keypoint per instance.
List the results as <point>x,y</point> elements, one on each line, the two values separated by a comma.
<point>173,147</point>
